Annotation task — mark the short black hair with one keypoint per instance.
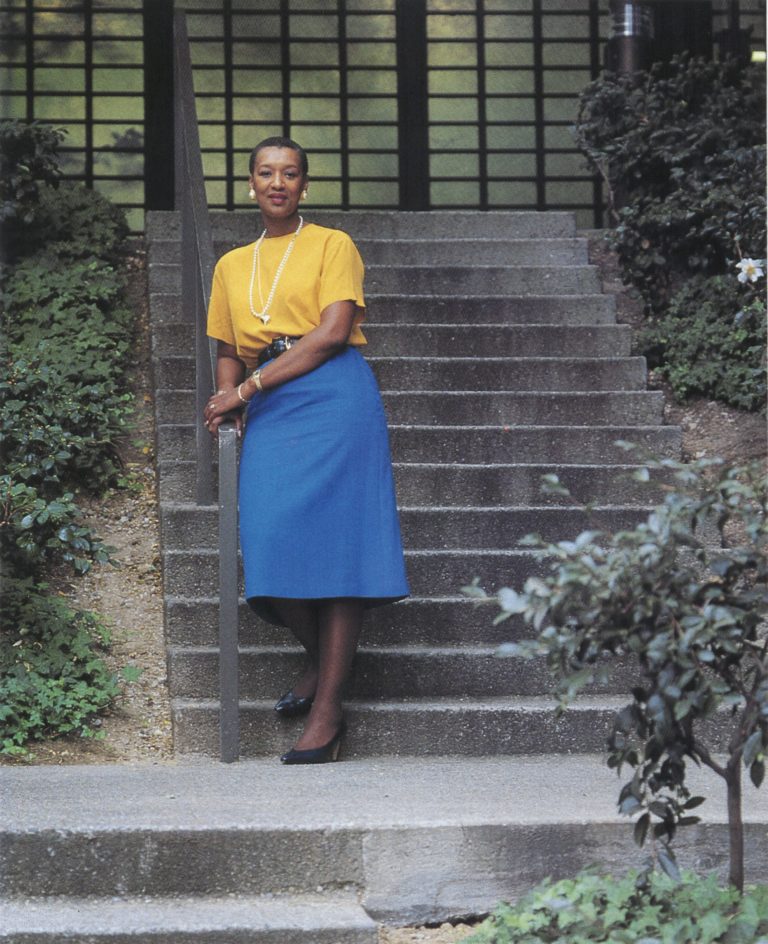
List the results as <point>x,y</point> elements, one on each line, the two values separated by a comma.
<point>278,142</point>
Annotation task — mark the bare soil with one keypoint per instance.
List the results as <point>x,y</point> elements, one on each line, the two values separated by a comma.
<point>129,596</point>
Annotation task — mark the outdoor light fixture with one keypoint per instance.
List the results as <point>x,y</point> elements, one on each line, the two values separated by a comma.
<point>629,48</point>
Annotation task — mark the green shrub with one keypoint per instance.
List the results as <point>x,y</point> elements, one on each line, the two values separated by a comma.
<point>682,149</point>
<point>77,223</point>
<point>701,353</point>
<point>53,679</point>
<point>636,909</point>
<point>66,335</point>
<point>28,160</point>
<point>35,531</point>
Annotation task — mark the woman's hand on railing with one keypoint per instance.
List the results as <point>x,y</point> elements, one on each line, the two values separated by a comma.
<point>225,406</point>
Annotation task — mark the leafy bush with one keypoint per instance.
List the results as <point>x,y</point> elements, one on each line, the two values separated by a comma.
<point>53,679</point>
<point>35,531</point>
<point>28,159</point>
<point>685,614</point>
<point>66,336</point>
<point>701,353</point>
<point>647,908</point>
<point>78,223</point>
<point>682,150</point>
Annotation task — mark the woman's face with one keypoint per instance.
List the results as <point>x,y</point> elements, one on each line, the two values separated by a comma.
<point>278,182</point>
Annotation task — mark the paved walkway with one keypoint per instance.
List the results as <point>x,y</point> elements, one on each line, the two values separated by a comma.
<point>405,840</point>
<point>383,793</point>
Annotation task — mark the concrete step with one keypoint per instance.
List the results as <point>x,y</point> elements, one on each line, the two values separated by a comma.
<point>380,674</point>
<point>446,340</point>
<point>244,226</point>
<point>444,621</point>
<point>462,308</point>
<point>509,373</point>
<point>452,340</point>
<point>459,308</point>
<point>490,444</point>
<point>430,251</point>
<point>456,727</point>
<point>534,444</point>
<point>417,839</point>
<point>194,572</point>
<point>454,621</point>
<point>442,280</point>
<point>230,919</point>
<point>461,374</point>
<point>482,280</point>
<point>449,527</point>
<point>467,726</point>
<point>426,483</point>
<point>601,408</point>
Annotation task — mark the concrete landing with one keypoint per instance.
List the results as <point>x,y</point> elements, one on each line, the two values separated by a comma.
<point>415,839</point>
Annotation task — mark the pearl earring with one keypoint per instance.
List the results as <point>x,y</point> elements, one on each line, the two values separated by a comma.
<point>252,193</point>
<point>303,194</point>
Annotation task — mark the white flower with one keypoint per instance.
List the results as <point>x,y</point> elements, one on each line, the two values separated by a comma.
<point>750,270</point>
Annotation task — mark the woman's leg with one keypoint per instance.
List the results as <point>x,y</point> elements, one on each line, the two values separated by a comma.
<point>340,622</point>
<point>301,617</point>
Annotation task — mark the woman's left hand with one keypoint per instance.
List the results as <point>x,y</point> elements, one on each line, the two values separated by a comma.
<point>225,405</point>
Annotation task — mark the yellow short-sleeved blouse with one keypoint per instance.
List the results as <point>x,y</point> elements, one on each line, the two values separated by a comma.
<point>324,267</point>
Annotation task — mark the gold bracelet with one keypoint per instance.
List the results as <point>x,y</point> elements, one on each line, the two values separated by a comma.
<point>256,378</point>
<point>240,394</point>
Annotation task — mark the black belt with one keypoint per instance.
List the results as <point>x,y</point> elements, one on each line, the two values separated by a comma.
<point>276,348</point>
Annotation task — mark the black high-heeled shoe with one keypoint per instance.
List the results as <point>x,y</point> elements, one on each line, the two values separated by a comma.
<point>293,706</point>
<point>317,755</point>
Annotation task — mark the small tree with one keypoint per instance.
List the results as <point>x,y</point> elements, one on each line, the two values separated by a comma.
<point>688,614</point>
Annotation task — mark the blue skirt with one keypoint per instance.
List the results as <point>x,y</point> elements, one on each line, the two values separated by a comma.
<point>318,518</point>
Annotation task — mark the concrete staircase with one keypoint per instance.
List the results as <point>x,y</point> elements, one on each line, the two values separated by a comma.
<point>499,361</point>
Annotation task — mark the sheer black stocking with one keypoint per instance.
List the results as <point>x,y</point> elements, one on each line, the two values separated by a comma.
<point>301,617</point>
<point>339,624</point>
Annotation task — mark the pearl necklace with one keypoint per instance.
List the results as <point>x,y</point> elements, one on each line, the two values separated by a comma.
<point>257,268</point>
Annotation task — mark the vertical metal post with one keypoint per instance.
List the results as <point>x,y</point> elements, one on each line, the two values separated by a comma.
<point>203,388</point>
<point>229,718</point>
<point>158,105</point>
<point>197,273</point>
<point>412,104</point>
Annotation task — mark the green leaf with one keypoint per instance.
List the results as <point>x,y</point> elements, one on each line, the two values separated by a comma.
<point>668,863</point>
<point>512,602</point>
<point>131,673</point>
<point>475,590</point>
<point>641,829</point>
<point>752,747</point>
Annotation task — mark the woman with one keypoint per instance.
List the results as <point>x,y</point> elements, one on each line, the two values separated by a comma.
<point>318,524</point>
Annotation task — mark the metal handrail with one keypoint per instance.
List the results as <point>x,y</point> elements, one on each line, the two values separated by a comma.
<point>197,264</point>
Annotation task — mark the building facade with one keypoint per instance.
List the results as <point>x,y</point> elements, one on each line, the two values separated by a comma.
<point>401,103</point>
